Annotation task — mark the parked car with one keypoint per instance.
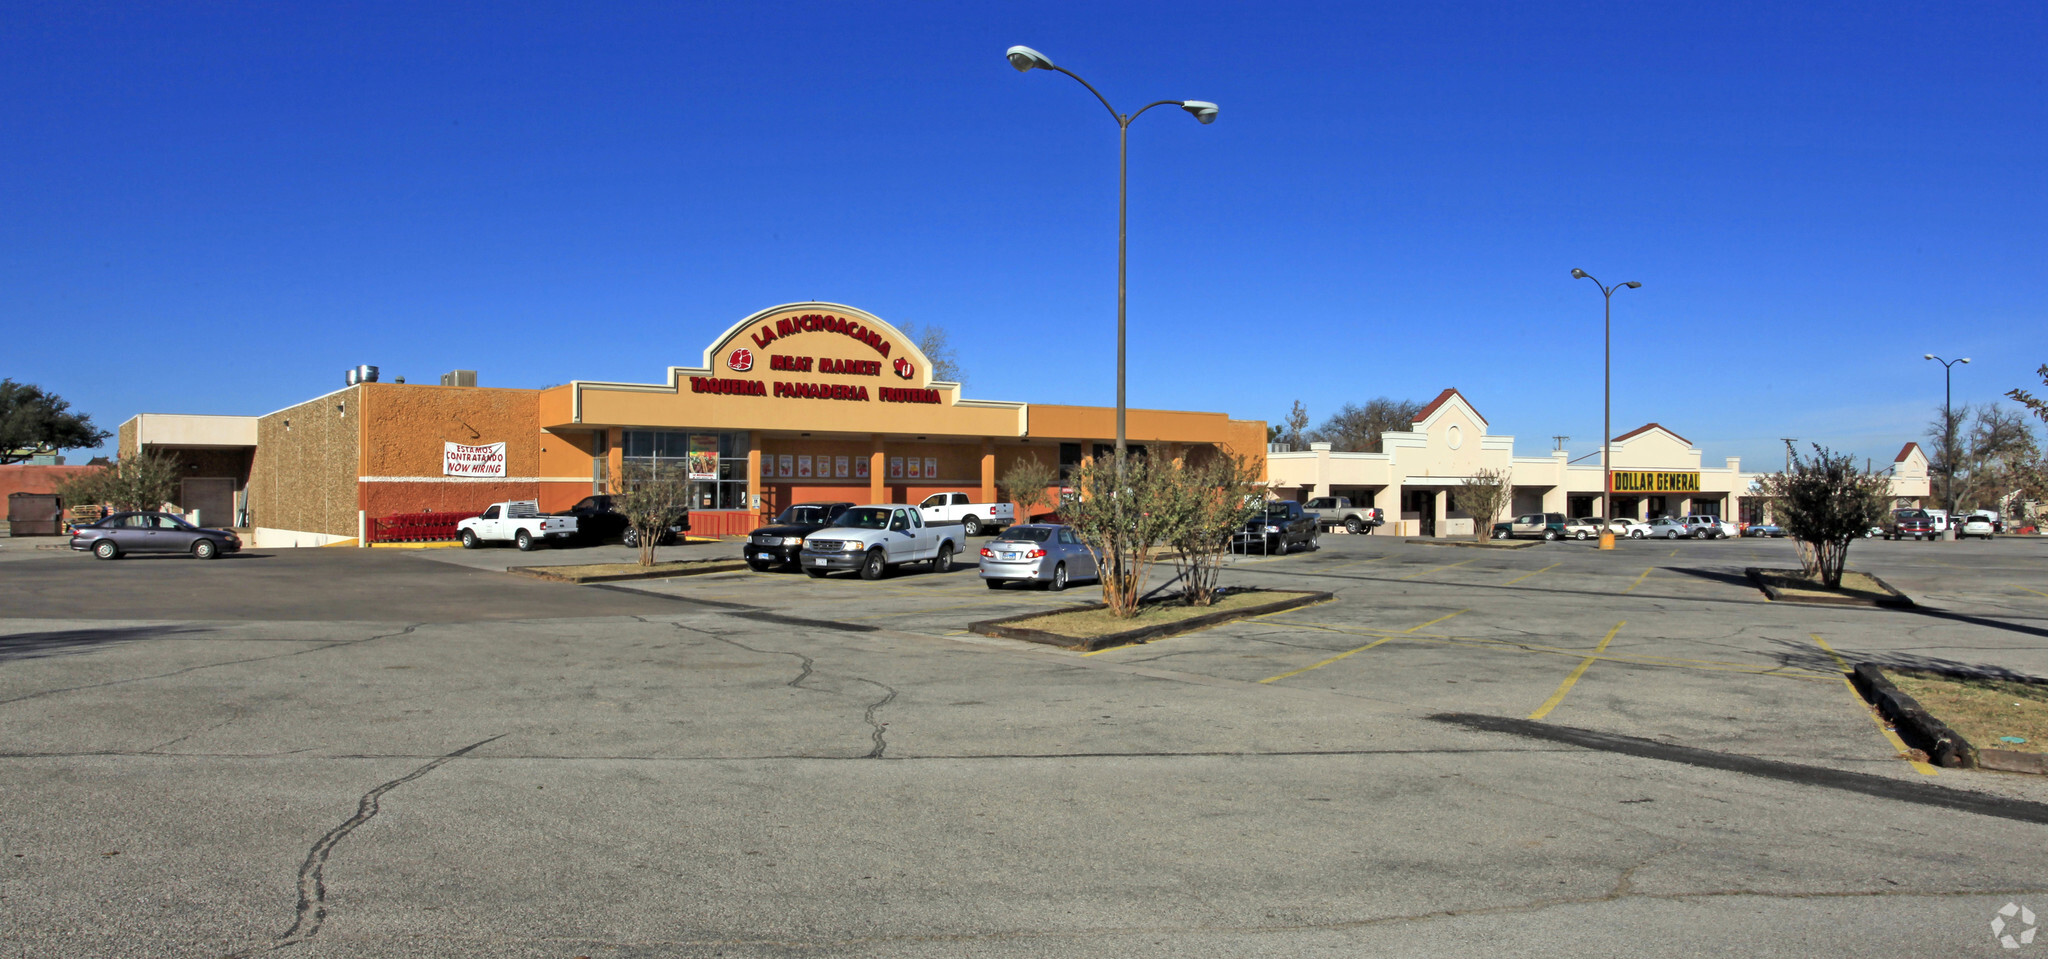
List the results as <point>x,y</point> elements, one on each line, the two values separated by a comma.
<point>939,509</point>
<point>1910,524</point>
<point>1535,525</point>
<point>1703,526</point>
<point>124,533</point>
<point>1668,527</point>
<point>1631,528</point>
<point>1764,529</point>
<point>1585,527</point>
<point>599,521</point>
<point>1978,525</point>
<point>873,539</point>
<point>1939,517</point>
<point>519,521</point>
<point>781,543</point>
<point>1334,511</point>
<point>1281,529</point>
<point>1045,553</point>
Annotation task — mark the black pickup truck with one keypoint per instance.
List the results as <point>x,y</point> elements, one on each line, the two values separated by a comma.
<point>780,543</point>
<point>598,521</point>
<point>1283,528</point>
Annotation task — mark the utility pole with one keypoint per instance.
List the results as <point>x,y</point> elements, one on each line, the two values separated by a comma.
<point>1788,441</point>
<point>1559,442</point>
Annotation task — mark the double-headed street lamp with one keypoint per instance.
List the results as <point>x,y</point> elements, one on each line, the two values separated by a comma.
<point>1607,410</point>
<point>1026,59</point>
<point>1948,430</point>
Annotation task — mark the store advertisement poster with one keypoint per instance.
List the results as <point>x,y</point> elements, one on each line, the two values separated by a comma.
<point>842,466</point>
<point>803,467</point>
<point>784,467</point>
<point>703,456</point>
<point>860,468</point>
<point>931,467</point>
<point>460,460</point>
<point>895,467</point>
<point>915,466</point>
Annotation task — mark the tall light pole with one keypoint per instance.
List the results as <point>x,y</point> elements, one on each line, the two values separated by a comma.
<point>1025,60</point>
<point>1948,438</point>
<point>1607,409</point>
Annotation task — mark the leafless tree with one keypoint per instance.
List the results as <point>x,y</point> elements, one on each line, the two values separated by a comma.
<point>653,497</point>
<point>1357,429</point>
<point>1484,496</point>
<point>1025,483</point>
<point>933,341</point>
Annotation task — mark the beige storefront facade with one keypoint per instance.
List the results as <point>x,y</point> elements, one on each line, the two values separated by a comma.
<point>1415,477</point>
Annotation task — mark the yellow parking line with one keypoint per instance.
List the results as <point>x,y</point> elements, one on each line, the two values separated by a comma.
<point>1923,769</point>
<point>1435,621</point>
<point>2034,591</point>
<point>1332,659</point>
<point>1524,576</point>
<point>1440,568</point>
<point>1572,680</point>
<point>1639,581</point>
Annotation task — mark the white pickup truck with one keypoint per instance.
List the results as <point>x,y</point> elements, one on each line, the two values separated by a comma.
<point>519,521</point>
<point>940,509</point>
<point>873,538</point>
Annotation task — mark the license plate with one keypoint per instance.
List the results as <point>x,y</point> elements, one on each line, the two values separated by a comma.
<point>1009,555</point>
<point>820,561</point>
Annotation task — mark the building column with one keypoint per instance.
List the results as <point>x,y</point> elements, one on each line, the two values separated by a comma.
<point>757,497</point>
<point>615,456</point>
<point>988,471</point>
<point>878,472</point>
<point>1440,500</point>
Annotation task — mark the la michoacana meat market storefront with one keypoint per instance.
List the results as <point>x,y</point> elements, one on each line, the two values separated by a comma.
<point>808,401</point>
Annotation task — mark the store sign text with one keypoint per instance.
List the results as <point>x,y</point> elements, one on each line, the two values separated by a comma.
<point>1655,481</point>
<point>821,391</point>
<point>826,364</point>
<point>890,394</point>
<point>458,459</point>
<point>815,322</point>
<point>716,384</point>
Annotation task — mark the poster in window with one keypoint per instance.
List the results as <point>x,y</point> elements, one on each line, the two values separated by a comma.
<point>803,467</point>
<point>915,466</point>
<point>895,467</point>
<point>931,467</point>
<point>703,456</point>
<point>842,466</point>
<point>860,467</point>
<point>784,467</point>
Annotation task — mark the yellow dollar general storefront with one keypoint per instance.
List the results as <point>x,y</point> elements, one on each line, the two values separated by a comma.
<point>807,401</point>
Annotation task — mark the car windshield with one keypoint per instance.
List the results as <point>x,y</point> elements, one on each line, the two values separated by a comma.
<point>865,517</point>
<point>1276,511</point>
<point>1028,534</point>
<point>804,515</point>
<point>1910,514</point>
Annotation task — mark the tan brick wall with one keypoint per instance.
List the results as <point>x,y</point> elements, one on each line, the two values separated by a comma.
<point>304,474</point>
<point>411,422</point>
<point>127,442</point>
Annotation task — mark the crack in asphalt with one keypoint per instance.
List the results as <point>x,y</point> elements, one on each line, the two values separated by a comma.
<point>806,666</point>
<point>881,745</point>
<point>312,905</point>
<point>194,669</point>
<point>239,713</point>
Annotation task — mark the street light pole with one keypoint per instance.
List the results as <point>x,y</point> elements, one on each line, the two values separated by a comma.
<point>1607,408</point>
<point>1948,438</point>
<point>1026,59</point>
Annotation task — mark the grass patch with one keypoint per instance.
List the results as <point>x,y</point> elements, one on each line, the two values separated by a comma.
<point>1982,710</point>
<point>1090,623</point>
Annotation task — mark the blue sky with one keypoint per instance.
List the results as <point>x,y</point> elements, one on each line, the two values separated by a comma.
<point>217,208</point>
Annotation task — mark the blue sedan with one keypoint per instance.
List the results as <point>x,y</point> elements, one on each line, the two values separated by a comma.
<point>1764,529</point>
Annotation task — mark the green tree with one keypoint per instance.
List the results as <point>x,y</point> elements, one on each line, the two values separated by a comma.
<point>652,496</point>
<point>33,420</point>
<point>1206,503</point>
<point>144,481</point>
<point>1824,504</point>
<point>1025,484</point>
<point>1122,513</point>
<point>1357,429</point>
<point>1484,496</point>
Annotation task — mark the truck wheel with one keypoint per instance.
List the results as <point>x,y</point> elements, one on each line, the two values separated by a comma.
<point>469,540</point>
<point>1500,534</point>
<point>524,540</point>
<point>1549,534</point>
<point>874,566</point>
<point>971,525</point>
<point>943,563</point>
<point>105,549</point>
<point>1280,548</point>
<point>1059,578</point>
<point>630,538</point>
<point>1581,534</point>
<point>1352,525</point>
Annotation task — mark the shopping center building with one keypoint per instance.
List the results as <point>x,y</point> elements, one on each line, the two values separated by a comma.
<point>1416,475</point>
<point>808,401</point>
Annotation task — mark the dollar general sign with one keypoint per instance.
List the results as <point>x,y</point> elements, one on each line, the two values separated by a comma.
<point>1655,481</point>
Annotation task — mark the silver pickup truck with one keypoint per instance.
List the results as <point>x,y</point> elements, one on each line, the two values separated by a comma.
<point>1337,511</point>
<point>871,539</point>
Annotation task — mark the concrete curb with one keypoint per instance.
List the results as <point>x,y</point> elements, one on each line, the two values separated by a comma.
<point>999,627</point>
<point>546,573</point>
<point>1761,578</point>
<point>1478,544</point>
<point>1922,731</point>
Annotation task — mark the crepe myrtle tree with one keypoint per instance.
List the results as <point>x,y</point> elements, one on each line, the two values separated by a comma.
<point>1122,512</point>
<point>652,496</point>
<point>1208,501</point>
<point>1825,503</point>
<point>1484,496</point>
<point>1025,484</point>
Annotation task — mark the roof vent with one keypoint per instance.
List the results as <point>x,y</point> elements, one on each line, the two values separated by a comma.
<point>459,378</point>
<point>361,374</point>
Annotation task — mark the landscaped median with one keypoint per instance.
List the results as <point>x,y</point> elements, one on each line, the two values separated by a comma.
<point>1985,722</point>
<point>1794,586</point>
<point>1092,627</point>
<point>613,572</point>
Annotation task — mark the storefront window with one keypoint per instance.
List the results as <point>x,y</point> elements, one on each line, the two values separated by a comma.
<point>717,461</point>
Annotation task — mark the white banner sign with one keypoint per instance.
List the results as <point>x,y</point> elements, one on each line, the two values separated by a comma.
<point>460,460</point>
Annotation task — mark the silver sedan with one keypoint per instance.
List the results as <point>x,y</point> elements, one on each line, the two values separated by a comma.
<point>1045,553</point>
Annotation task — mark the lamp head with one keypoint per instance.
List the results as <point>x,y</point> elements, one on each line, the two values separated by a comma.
<point>1024,59</point>
<point>1927,356</point>
<point>1201,110</point>
<point>1578,274</point>
<point>1633,285</point>
<point>1966,359</point>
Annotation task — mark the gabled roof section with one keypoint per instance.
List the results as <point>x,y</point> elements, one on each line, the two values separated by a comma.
<point>1907,451</point>
<point>1445,397</point>
<point>1646,427</point>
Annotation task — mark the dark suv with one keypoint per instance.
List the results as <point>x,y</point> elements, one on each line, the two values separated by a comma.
<point>780,543</point>
<point>599,521</point>
<point>1910,524</point>
<point>1283,528</point>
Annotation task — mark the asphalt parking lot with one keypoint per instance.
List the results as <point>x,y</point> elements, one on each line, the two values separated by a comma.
<point>1546,751</point>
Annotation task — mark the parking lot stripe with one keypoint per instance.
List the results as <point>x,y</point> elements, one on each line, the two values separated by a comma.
<point>1569,681</point>
<point>1923,769</point>
<point>2034,591</point>
<point>1524,576</point>
<point>1332,659</point>
<point>1433,622</point>
<point>1639,580</point>
<point>1440,568</point>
